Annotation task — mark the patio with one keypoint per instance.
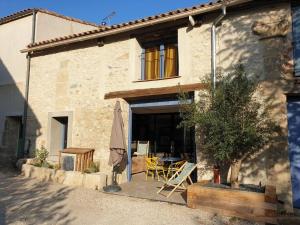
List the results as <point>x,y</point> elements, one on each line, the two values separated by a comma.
<point>54,203</point>
<point>141,188</point>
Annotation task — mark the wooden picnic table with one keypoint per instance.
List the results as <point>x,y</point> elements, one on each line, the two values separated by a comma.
<point>84,157</point>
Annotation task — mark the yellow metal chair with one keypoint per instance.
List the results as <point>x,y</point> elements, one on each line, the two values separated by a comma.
<point>174,167</point>
<point>154,169</point>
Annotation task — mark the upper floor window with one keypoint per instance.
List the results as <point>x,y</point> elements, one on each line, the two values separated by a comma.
<point>159,61</point>
<point>296,38</point>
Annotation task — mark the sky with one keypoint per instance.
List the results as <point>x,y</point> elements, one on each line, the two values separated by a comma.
<point>95,10</point>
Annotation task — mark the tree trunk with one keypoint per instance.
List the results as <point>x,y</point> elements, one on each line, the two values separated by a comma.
<point>234,176</point>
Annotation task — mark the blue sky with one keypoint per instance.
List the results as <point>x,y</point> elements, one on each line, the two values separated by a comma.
<point>96,10</point>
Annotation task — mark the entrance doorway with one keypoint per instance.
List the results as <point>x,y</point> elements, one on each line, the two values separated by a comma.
<point>293,108</point>
<point>59,134</point>
<point>165,136</point>
<point>157,141</point>
<point>9,148</point>
<point>157,122</point>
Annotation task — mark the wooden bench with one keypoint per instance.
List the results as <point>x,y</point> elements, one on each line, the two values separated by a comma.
<point>83,157</point>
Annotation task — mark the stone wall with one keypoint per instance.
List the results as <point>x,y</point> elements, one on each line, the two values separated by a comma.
<point>15,36</point>
<point>77,84</point>
<point>95,181</point>
<point>76,80</point>
<point>266,57</point>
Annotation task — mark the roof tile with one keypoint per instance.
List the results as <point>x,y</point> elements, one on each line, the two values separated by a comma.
<point>107,28</point>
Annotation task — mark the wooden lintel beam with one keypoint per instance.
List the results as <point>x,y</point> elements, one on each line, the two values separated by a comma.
<point>155,91</point>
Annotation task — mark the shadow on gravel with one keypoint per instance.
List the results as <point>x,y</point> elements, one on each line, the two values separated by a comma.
<point>29,202</point>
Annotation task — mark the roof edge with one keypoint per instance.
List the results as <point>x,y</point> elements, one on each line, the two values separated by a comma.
<point>132,25</point>
<point>67,17</point>
<point>28,12</point>
<point>16,16</point>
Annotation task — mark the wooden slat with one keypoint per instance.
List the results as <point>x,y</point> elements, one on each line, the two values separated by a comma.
<point>80,162</point>
<point>219,193</point>
<point>155,91</point>
<point>270,194</point>
<point>83,162</point>
<point>247,216</point>
<point>243,204</point>
<point>77,150</point>
<point>77,163</point>
<point>86,160</point>
<point>59,159</point>
<point>232,202</point>
<point>84,157</point>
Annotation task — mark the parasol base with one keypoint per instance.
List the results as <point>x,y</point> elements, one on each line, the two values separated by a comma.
<point>112,188</point>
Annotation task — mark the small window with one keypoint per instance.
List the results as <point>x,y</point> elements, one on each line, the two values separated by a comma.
<point>159,61</point>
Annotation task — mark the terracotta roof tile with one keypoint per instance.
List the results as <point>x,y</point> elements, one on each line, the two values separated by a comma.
<point>15,16</point>
<point>139,21</point>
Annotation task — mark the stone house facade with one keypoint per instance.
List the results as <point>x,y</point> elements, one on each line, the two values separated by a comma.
<point>80,77</point>
<point>16,31</point>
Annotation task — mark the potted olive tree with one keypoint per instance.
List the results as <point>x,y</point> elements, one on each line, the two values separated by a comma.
<point>232,123</point>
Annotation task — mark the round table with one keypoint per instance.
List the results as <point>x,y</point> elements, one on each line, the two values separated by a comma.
<point>170,159</point>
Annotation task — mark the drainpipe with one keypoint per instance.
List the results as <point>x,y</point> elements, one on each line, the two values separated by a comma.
<point>213,44</point>
<point>28,57</point>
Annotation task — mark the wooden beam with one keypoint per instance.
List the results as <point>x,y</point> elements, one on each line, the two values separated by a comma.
<point>155,91</point>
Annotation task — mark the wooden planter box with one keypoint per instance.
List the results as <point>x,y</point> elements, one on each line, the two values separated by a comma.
<point>261,207</point>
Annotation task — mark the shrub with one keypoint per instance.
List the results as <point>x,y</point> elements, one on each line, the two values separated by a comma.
<point>41,155</point>
<point>56,166</point>
<point>94,168</point>
<point>232,123</point>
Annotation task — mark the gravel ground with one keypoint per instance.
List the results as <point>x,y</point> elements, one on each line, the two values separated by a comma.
<point>26,201</point>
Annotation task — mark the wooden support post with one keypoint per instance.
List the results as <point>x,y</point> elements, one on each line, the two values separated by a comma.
<point>79,165</point>
<point>59,158</point>
<point>90,158</point>
<point>77,162</point>
<point>85,161</point>
<point>82,162</point>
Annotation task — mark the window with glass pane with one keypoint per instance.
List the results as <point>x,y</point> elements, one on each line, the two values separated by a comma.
<point>170,59</point>
<point>159,62</point>
<point>152,63</point>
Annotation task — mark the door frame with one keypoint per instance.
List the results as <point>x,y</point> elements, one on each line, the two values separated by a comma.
<point>291,99</point>
<point>144,104</point>
<point>52,115</point>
